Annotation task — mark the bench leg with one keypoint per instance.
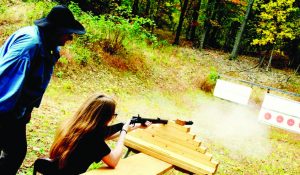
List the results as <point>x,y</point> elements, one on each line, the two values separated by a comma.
<point>128,152</point>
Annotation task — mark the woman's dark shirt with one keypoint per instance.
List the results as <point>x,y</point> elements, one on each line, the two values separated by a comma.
<point>91,148</point>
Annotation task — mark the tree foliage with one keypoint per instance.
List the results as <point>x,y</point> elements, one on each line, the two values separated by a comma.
<point>220,24</point>
<point>273,26</point>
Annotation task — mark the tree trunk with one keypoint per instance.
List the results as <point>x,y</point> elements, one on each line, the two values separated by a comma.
<point>181,19</point>
<point>271,57</point>
<point>238,38</point>
<point>296,71</point>
<point>147,10</point>
<point>202,39</point>
<point>135,7</point>
<point>188,30</point>
<point>195,16</point>
<point>261,61</point>
<point>157,15</point>
<point>158,6</point>
<point>209,14</point>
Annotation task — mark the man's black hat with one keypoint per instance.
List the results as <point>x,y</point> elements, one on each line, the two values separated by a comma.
<point>61,19</point>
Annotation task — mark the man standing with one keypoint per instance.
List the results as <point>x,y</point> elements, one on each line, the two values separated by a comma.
<point>27,59</point>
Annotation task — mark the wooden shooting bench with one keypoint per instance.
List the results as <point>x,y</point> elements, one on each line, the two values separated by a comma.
<point>162,148</point>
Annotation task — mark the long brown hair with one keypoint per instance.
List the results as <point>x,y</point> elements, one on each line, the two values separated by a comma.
<point>96,111</point>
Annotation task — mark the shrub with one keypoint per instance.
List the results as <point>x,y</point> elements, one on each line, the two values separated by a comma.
<point>213,76</point>
<point>59,74</point>
<point>81,53</point>
<point>208,82</point>
<point>2,8</point>
<point>40,10</point>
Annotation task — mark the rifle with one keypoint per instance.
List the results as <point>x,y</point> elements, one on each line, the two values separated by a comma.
<point>138,119</point>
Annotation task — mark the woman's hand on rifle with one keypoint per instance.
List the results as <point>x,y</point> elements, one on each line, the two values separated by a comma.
<point>145,125</point>
<point>139,125</point>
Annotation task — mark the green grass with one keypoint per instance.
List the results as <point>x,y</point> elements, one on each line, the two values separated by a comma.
<point>159,81</point>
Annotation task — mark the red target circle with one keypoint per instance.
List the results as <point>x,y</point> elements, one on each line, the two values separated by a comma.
<point>279,119</point>
<point>291,122</point>
<point>268,116</point>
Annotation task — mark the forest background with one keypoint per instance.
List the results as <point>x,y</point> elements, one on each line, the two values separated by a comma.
<point>162,58</point>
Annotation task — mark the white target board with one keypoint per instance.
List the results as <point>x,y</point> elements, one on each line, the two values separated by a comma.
<point>233,92</point>
<point>280,112</point>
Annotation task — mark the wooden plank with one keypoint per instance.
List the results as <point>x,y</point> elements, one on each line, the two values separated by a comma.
<point>173,146</point>
<point>135,165</point>
<point>170,156</point>
<point>203,148</point>
<point>174,131</point>
<point>165,133</point>
<point>215,162</point>
<point>186,142</point>
<point>177,148</point>
<point>178,127</point>
<point>172,135</point>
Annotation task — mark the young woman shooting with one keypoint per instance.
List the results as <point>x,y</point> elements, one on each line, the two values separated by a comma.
<point>81,140</point>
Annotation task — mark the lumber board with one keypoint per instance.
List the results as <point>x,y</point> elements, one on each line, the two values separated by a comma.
<point>179,127</point>
<point>186,142</point>
<point>187,137</point>
<point>135,165</point>
<point>168,129</point>
<point>173,146</point>
<point>204,167</point>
